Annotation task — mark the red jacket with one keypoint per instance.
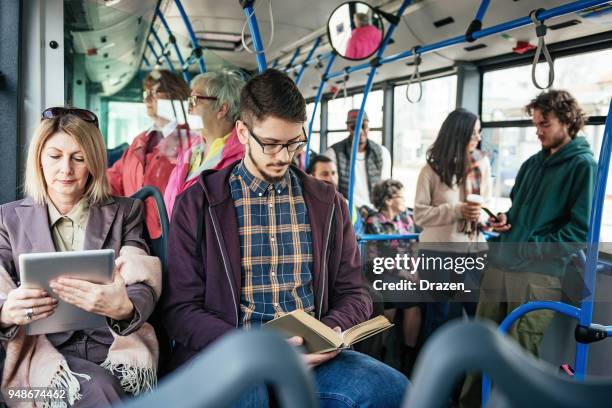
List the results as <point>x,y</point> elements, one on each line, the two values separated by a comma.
<point>201,300</point>
<point>136,169</point>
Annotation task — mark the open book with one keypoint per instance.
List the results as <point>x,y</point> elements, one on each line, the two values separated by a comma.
<point>319,338</point>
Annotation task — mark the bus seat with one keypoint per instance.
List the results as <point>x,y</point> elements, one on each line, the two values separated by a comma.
<point>115,153</point>
<point>461,347</point>
<point>158,248</point>
<point>218,376</point>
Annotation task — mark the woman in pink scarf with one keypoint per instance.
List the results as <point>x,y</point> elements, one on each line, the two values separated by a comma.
<point>214,100</point>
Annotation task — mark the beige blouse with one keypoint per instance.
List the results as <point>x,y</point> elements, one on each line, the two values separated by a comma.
<point>437,207</point>
<point>68,231</point>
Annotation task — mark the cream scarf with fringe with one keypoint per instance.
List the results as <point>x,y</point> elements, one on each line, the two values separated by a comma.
<point>32,361</point>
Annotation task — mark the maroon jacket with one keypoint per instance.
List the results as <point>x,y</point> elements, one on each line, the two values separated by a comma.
<point>202,292</point>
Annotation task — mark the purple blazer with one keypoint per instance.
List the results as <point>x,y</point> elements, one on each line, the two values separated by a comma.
<point>201,300</point>
<point>24,228</point>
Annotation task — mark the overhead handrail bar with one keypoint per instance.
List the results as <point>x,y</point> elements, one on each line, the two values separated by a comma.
<point>163,49</point>
<point>249,12</point>
<point>197,49</point>
<point>541,34</point>
<point>293,57</point>
<point>172,40</point>
<point>330,62</point>
<point>520,22</point>
<point>314,61</point>
<point>152,49</point>
<point>302,70</point>
<point>375,63</point>
<point>146,62</point>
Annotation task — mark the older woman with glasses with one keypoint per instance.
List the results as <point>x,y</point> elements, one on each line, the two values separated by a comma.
<point>215,97</point>
<point>69,207</point>
<point>393,217</point>
<point>153,154</point>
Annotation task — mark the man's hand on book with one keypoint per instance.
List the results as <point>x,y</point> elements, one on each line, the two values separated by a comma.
<point>313,360</point>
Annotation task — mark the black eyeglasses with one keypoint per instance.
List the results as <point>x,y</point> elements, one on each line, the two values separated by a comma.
<point>274,148</point>
<point>193,99</point>
<point>84,114</point>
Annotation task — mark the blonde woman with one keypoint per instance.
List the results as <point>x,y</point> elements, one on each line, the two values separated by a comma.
<point>68,207</point>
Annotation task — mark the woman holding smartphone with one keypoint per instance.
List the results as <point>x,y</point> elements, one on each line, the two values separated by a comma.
<point>451,190</point>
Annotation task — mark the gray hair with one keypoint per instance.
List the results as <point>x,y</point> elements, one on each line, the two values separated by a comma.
<point>225,85</point>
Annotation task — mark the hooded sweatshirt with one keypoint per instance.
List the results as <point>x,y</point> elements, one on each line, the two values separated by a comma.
<point>551,206</point>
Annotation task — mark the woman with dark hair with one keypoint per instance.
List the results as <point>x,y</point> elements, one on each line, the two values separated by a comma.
<point>394,218</point>
<point>451,189</point>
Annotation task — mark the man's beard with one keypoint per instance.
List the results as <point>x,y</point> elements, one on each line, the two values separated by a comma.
<point>266,176</point>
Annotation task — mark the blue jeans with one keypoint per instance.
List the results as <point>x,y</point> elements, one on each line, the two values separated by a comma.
<point>351,379</point>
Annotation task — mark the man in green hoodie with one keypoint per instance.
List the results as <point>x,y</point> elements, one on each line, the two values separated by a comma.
<point>547,223</point>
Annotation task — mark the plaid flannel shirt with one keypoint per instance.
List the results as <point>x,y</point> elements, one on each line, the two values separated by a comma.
<point>275,247</point>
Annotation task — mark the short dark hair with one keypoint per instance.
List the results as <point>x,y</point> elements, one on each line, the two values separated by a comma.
<point>563,105</point>
<point>272,93</point>
<point>312,165</point>
<point>384,190</point>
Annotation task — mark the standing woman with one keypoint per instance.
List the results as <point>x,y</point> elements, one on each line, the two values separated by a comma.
<point>69,208</point>
<point>451,226</point>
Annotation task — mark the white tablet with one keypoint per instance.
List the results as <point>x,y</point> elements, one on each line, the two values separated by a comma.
<point>37,270</point>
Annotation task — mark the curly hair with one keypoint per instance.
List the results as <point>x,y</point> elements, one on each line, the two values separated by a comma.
<point>385,190</point>
<point>563,105</point>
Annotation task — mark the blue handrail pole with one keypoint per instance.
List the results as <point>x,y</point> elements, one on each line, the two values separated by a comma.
<point>482,9</point>
<point>146,62</point>
<point>257,44</point>
<point>313,61</point>
<point>590,275</point>
<point>507,323</point>
<point>366,92</point>
<point>163,51</point>
<point>293,58</point>
<point>520,22</point>
<point>330,62</point>
<point>192,36</point>
<point>161,17</point>
<point>387,237</point>
<point>300,74</point>
<point>153,52</point>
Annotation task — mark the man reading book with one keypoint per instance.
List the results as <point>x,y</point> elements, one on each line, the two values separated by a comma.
<point>261,238</point>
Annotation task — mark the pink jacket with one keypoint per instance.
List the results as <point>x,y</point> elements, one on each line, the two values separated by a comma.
<point>177,183</point>
<point>364,40</point>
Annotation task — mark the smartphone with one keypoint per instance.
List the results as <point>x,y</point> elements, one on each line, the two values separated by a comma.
<point>490,213</point>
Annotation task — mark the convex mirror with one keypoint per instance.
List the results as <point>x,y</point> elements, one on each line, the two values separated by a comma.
<point>355,30</point>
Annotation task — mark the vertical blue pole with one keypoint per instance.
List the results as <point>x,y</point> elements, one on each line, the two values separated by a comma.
<point>186,75</point>
<point>307,60</point>
<point>366,92</point>
<point>330,62</point>
<point>192,36</point>
<point>482,9</point>
<point>257,44</point>
<point>590,276</point>
<point>161,46</point>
